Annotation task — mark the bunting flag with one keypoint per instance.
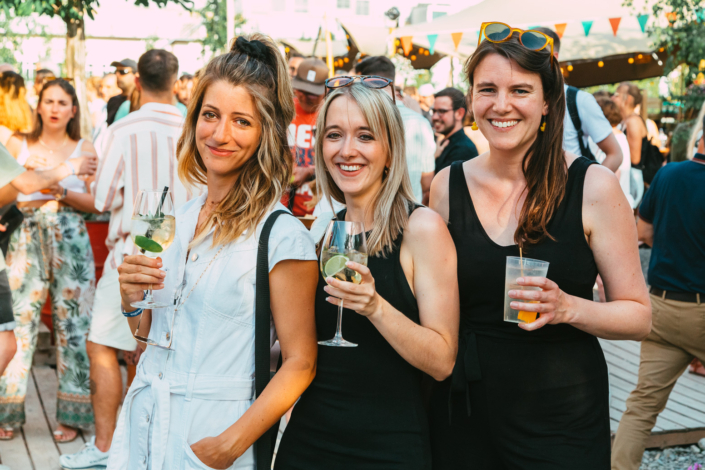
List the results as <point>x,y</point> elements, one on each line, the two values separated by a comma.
<point>642,21</point>
<point>432,42</point>
<point>534,27</point>
<point>614,22</point>
<point>406,44</point>
<point>560,29</point>
<point>586,27</point>
<point>456,39</point>
<point>671,17</point>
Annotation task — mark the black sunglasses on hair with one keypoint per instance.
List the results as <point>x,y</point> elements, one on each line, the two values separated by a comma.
<point>370,81</point>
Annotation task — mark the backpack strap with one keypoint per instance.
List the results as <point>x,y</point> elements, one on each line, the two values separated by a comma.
<point>264,447</point>
<point>572,102</point>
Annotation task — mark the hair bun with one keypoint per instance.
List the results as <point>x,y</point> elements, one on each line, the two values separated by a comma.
<point>255,49</point>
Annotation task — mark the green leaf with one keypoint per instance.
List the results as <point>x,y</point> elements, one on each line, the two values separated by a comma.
<point>148,244</point>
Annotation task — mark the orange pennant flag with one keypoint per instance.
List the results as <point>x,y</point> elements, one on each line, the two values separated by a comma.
<point>406,44</point>
<point>560,29</point>
<point>615,24</point>
<point>456,39</point>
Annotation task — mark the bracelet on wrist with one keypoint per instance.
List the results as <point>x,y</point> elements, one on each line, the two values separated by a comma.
<point>135,312</point>
<point>62,196</point>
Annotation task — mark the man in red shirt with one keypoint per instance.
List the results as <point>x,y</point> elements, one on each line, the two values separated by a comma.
<point>309,91</point>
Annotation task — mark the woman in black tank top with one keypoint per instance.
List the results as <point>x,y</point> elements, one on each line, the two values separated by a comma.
<point>532,396</point>
<point>364,409</point>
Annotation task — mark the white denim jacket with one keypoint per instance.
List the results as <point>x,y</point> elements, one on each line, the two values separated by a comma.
<point>207,383</point>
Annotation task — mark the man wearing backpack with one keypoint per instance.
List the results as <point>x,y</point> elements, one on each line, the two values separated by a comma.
<point>584,118</point>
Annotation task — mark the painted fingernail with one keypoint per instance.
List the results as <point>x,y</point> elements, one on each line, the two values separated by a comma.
<point>520,280</point>
<point>514,305</point>
<point>329,280</point>
<point>512,293</point>
<point>162,273</point>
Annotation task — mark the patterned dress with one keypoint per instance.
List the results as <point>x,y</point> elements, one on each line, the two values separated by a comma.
<point>51,252</point>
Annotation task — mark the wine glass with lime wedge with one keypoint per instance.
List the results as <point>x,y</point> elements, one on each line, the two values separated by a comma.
<point>153,229</point>
<point>343,242</point>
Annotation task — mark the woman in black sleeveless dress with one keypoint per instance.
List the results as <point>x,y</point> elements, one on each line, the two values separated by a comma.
<point>532,396</point>
<point>364,410</point>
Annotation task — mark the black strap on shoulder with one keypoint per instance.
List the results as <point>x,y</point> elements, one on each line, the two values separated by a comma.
<point>572,101</point>
<point>264,447</point>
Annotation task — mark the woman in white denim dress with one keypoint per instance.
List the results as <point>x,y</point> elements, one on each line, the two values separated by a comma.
<point>194,408</point>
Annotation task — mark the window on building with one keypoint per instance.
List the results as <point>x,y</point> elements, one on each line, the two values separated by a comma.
<point>301,6</point>
<point>362,7</point>
<point>343,3</point>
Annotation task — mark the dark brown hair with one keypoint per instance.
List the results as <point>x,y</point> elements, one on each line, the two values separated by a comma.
<point>544,163</point>
<point>157,70</point>
<point>73,128</point>
<point>611,111</point>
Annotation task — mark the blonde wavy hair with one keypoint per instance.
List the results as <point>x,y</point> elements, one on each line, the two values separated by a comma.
<point>395,199</point>
<point>256,64</point>
<point>15,113</point>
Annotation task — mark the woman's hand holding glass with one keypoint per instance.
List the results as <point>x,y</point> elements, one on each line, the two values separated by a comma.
<point>551,302</point>
<point>139,273</point>
<point>362,298</point>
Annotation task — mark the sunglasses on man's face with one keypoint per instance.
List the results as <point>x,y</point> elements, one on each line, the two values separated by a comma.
<point>370,81</point>
<point>124,71</point>
<point>531,39</point>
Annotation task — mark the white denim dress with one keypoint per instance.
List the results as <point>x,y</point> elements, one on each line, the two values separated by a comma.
<point>207,383</point>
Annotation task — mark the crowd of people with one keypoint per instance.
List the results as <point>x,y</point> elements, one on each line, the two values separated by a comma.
<point>447,186</point>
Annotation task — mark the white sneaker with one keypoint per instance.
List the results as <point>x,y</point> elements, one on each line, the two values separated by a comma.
<point>90,457</point>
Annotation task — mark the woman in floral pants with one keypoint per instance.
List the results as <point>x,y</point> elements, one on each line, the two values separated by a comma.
<point>51,253</point>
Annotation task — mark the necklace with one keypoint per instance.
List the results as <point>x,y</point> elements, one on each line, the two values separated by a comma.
<point>51,150</point>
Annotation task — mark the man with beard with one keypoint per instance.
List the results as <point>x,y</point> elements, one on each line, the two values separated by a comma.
<point>449,109</point>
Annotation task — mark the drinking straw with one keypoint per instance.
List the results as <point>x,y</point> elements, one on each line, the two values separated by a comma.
<point>149,231</point>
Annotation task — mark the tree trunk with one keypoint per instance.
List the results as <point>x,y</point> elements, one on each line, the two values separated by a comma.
<point>76,69</point>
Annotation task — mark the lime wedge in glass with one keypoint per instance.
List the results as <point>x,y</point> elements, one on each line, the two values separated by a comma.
<point>148,244</point>
<point>335,265</point>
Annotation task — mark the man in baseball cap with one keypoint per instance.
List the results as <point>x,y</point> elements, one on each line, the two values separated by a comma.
<point>125,72</point>
<point>309,90</point>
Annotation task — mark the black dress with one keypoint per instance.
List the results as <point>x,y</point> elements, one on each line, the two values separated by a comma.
<point>518,399</point>
<point>363,410</point>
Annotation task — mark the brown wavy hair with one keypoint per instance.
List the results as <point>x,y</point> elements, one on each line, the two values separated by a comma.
<point>73,128</point>
<point>256,64</point>
<point>544,165</point>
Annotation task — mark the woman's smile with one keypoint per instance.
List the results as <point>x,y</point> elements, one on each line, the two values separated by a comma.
<point>350,170</point>
<point>216,152</point>
<point>503,125</point>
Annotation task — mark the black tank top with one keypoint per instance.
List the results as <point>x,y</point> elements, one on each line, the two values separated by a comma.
<point>364,408</point>
<point>481,261</point>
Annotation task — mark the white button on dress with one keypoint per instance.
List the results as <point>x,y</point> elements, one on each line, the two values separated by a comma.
<point>207,383</point>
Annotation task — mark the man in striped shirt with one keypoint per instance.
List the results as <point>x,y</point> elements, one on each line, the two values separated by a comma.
<point>139,152</point>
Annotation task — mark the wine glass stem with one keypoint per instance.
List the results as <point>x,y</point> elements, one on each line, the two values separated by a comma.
<point>338,330</point>
<point>148,295</point>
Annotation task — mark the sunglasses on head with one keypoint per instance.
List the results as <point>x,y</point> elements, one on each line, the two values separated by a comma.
<point>370,81</point>
<point>531,39</point>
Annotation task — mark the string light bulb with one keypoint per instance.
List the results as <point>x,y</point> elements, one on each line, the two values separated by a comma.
<point>600,64</point>
<point>630,60</point>
<point>570,67</point>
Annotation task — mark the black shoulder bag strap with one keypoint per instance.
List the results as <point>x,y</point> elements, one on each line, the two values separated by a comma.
<point>264,447</point>
<point>572,101</point>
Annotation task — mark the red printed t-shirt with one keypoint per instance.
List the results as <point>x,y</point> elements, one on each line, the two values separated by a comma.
<point>301,140</point>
